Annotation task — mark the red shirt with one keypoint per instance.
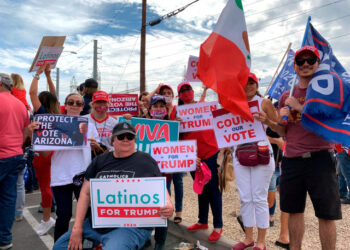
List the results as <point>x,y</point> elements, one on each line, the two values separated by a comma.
<point>21,95</point>
<point>298,139</point>
<point>13,119</point>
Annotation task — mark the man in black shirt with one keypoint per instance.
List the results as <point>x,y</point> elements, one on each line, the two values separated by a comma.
<point>123,162</point>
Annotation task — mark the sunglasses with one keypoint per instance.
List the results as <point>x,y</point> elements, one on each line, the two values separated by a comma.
<point>310,61</point>
<point>184,90</point>
<point>78,103</point>
<point>127,135</point>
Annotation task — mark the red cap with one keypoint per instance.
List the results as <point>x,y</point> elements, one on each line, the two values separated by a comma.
<point>165,86</point>
<point>100,96</point>
<point>202,177</point>
<point>307,48</point>
<point>253,76</point>
<point>181,85</point>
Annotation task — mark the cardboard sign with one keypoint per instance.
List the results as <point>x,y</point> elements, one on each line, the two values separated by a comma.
<point>123,104</point>
<point>191,74</point>
<point>49,51</point>
<point>231,130</point>
<point>196,117</point>
<point>60,132</point>
<point>149,131</point>
<point>174,157</point>
<point>130,202</point>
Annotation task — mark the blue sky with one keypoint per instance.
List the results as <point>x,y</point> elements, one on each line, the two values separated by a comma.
<point>116,25</point>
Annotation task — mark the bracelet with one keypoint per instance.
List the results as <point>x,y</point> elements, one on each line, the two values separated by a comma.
<point>36,76</point>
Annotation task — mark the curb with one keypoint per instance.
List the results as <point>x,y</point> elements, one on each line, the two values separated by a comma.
<point>180,231</point>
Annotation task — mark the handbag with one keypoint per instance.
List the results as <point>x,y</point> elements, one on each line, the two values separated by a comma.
<point>249,155</point>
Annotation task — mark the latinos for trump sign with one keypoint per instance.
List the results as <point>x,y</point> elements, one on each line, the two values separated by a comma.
<point>123,104</point>
<point>173,157</point>
<point>149,131</point>
<point>231,130</point>
<point>130,202</point>
<point>191,74</point>
<point>60,132</point>
<point>196,117</point>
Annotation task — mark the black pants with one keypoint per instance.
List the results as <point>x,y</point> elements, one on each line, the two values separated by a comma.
<point>64,201</point>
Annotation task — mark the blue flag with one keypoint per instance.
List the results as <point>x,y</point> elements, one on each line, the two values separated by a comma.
<point>283,81</point>
<point>327,103</point>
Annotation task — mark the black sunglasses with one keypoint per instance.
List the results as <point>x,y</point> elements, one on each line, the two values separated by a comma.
<point>310,61</point>
<point>78,103</point>
<point>127,135</point>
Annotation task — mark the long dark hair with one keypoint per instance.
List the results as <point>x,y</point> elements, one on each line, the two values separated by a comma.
<point>50,102</point>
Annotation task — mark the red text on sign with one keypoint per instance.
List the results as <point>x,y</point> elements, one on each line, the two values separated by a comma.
<point>128,212</point>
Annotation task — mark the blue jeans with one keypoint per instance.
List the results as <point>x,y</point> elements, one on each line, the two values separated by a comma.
<point>275,180</point>
<point>117,239</point>
<point>344,174</point>
<point>179,190</point>
<point>9,169</point>
<point>20,195</point>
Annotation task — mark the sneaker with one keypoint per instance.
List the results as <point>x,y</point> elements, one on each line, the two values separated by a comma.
<point>5,247</point>
<point>45,226</point>
<point>345,201</point>
<point>18,219</point>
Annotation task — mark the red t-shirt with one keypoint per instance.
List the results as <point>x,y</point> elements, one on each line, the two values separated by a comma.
<point>20,94</point>
<point>13,119</point>
<point>298,139</point>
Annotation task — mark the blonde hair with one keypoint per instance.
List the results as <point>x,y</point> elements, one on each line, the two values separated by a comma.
<point>17,81</point>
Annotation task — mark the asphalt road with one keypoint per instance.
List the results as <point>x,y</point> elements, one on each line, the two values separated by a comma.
<point>24,232</point>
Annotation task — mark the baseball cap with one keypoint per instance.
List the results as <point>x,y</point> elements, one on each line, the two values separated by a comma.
<point>253,76</point>
<point>100,96</point>
<point>157,98</point>
<point>6,81</point>
<point>123,128</point>
<point>307,48</point>
<point>91,83</point>
<point>165,86</point>
<point>202,177</point>
<point>181,85</point>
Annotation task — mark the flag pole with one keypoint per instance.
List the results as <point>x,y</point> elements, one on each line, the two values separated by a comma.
<point>285,118</point>
<point>274,76</point>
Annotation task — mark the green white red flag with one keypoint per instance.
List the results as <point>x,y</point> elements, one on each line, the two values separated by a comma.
<point>224,60</point>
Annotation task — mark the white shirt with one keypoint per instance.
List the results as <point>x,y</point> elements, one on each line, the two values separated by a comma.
<point>65,164</point>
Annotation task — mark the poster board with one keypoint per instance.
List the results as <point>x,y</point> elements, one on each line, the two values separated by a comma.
<point>191,73</point>
<point>123,104</point>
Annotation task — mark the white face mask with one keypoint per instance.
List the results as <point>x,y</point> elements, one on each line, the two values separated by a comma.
<point>168,99</point>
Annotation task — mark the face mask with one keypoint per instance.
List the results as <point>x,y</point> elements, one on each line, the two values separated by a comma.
<point>187,96</point>
<point>157,114</point>
<point>101,109</point>
<point>168,99</point>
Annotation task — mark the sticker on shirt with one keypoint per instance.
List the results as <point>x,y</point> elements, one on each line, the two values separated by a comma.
<point>115,174</point>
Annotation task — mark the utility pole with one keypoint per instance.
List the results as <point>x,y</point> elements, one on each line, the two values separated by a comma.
<point>95,73</point>
<point>58,82</point>
<point>143,49</point>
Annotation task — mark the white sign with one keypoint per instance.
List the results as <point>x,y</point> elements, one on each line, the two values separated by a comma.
<point>47,55</point>
<point>196,117</point>
<point>231,130</point>
<point>130,202</point>
<point>191,74</point>
<point>174,157</point>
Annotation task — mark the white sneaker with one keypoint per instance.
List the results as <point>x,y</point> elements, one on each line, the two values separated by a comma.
<point>45,226</point>
<point>5,247</point>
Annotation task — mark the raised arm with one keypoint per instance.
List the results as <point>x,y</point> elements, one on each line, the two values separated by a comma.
<point>52,88</point>
<point>204,94</point>
<point>149,96</point>
<point>33,90</point>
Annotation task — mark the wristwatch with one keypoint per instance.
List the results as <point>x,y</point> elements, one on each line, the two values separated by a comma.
<point>36,76</point>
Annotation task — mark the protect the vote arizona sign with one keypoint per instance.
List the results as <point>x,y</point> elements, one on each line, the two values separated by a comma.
<point>129,202</point>
<point>173,157</point>
<point>196,117</point>
<point>123,104</point>
<point>149,131</point>
<point>231,130</point>
<point>60,132</point>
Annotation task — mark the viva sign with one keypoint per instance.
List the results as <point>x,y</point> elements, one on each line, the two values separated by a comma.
<point>149,131</point>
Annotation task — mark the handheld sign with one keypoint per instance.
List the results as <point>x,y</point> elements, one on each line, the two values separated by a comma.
<point>149,131</point>
<point>174,157</point>
<point>123,104</point>
<point>191,74</point>
<point>60,132</point>
<point>130,202</point>
<point>49,51</point>
<point>231,130</point>
<point>196,117</point>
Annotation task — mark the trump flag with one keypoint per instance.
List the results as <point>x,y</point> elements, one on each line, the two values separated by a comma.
<point>224,60</point>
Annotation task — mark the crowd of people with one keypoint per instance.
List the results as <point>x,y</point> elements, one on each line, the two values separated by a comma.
<point>298,162</point>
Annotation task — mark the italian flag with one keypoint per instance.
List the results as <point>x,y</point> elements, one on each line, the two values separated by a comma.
<point>224,60</point>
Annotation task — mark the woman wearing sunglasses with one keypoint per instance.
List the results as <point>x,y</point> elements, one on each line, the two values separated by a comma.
<point>65,164</point>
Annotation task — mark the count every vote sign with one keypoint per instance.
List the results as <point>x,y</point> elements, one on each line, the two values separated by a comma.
<point>128,202</point>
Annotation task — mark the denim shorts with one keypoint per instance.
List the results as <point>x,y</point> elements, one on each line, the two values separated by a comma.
<point>275,180</point>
